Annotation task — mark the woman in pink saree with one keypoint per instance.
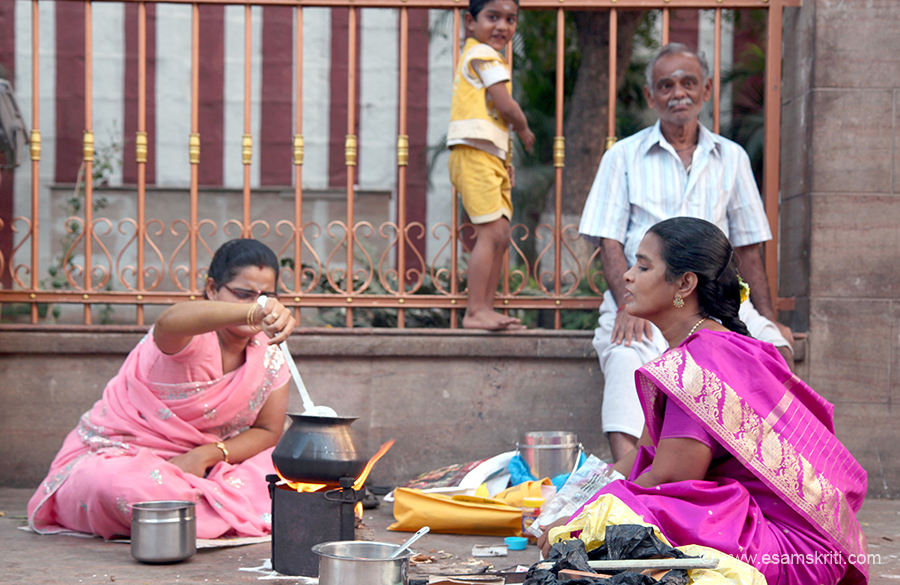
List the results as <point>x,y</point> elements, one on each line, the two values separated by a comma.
<point>193,414</point>
<point>738,454</point>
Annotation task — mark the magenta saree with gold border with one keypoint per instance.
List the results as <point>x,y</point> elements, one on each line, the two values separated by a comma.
<point>786,498</point>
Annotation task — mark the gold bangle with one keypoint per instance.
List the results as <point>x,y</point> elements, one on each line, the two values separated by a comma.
<point>221,446</point>
<point>250,314</point>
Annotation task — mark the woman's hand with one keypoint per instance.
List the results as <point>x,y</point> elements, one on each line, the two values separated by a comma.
<point>544,539</point>
<point>276,320</point>
<point>198,460</point>
<point>264,433</point>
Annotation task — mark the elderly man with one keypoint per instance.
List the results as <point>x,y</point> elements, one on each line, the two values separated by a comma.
<point>674,168</point>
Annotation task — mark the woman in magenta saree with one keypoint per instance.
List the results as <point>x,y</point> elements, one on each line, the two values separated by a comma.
<point>193,414</point>
<point>738,454</point>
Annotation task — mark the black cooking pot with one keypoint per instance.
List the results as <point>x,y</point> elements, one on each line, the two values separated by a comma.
<point>319,449</point>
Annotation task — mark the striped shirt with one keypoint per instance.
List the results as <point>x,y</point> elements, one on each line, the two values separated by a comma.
<point>642,181</point>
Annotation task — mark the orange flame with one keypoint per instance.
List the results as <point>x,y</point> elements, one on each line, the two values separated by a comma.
<point>299,486</point>
<point>361,480</point>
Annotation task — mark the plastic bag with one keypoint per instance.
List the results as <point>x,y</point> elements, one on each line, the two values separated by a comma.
<point>515,495</point>
<point>607,511</point>
<point>571,554</point>
<point>414,509</point>
<point>520,472</point>
<point>633,541</point>
<point>581,485</point>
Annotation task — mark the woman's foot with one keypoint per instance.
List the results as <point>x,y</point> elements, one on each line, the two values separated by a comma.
<point>492,321</point>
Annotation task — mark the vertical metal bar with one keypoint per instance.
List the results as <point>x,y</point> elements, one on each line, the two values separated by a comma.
<point>559,157</point>
<point>401,166</point>
<point>613,47</point>
<point>35,154</point>
<point>141,156</point>
<point>88,156</point>
<point>454,208</point>
<point>350,150</point>
<point>247,139</point>
<point>665,26</point>
<point>195,140</point>
<point>772,148</point>
<point>298,164</point>
<point>504,267</point>
<point>717,72</point>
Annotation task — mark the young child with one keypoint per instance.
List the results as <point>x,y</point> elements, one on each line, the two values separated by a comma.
<point>481,115</point>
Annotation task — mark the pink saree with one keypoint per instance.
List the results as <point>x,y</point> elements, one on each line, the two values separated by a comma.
<point>156,407</point>
<point>784,499</point>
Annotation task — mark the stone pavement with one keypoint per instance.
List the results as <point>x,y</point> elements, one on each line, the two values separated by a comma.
<point>30,559</point>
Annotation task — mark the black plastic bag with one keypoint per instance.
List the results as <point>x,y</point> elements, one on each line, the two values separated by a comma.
<point>569,554</point>
<point>549,577</point>
<point>632,541</point>
<point>624,541</point>
<point>676,577</point>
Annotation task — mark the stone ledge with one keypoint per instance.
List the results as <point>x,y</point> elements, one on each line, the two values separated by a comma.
<point>321,342</point>
<point>324,342</point>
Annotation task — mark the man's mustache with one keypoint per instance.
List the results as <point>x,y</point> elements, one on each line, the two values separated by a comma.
<point>685,101</point>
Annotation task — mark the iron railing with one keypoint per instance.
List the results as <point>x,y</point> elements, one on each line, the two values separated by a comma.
<point>345,276</point>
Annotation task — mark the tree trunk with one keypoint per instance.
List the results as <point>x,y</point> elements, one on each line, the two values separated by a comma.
<point>586,129</point>
<point>587,122</point>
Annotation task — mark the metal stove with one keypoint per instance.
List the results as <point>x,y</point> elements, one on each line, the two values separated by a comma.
<point>301,520</point>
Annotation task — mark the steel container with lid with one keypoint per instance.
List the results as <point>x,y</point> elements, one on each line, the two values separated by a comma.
<point>163,531</point>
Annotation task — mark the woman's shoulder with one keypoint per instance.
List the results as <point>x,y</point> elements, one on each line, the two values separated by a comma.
<point>713,349</point>
<point>200,358</point>
<point>711,337</point>
<point>199,345</point>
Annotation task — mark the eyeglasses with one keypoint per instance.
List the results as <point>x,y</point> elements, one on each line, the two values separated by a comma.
<point>244,295</point>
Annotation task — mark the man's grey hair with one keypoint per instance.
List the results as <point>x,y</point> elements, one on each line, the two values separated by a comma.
<point>676,49</point>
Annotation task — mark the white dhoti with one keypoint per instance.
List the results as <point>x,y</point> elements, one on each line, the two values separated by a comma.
<point>621,411</point>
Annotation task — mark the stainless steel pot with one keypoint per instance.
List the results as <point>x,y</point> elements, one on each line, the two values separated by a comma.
<point>361,563</point>
<point>550,453</point>
<point>163,532</point>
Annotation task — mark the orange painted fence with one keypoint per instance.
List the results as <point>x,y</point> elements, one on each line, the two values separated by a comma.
<point>322,281</point>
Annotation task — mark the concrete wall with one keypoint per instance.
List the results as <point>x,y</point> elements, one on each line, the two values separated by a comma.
<point>839,216</point>
<point>446,397</point>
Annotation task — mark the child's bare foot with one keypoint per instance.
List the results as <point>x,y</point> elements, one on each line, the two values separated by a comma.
<point>492,321</point>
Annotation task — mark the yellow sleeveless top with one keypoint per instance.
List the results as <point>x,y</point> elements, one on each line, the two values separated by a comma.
<point>472,112</point>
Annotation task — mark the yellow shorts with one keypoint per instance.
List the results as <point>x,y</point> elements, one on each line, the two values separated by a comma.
<point>483,183</point>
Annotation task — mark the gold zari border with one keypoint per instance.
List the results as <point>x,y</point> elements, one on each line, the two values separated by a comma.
<point>753,440</point>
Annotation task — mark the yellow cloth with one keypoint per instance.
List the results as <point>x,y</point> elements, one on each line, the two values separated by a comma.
<point>414,509</point>
<point>608,510</point>
<point>472,111</point>
<point>483,184</point>
<point>592,522</point>
<point>516,495</point>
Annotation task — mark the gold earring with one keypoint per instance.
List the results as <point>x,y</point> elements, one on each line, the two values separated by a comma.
<point>678,302</point>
